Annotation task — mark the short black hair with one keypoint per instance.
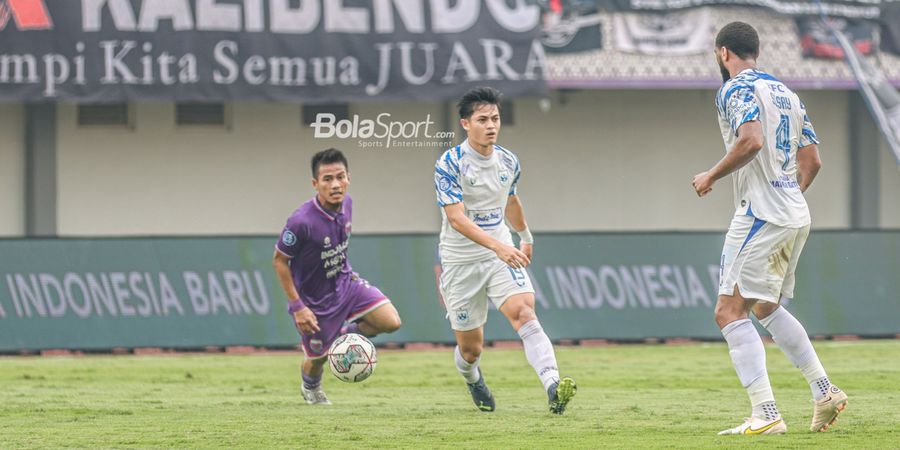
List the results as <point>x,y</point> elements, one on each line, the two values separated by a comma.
<point>477,97</point>
<point>740,38</point>
<point>328,156</point>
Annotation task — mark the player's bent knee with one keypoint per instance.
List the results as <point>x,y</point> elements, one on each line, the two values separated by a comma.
<point>391,324</point>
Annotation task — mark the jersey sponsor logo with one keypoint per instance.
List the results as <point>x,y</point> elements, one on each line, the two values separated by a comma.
<point>784,182</point>
<point>486,217</point>
<point>288,238</point>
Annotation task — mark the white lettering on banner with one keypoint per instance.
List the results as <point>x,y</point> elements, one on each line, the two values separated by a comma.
<point>284,19</point>
<point>128,62</point>
<point>213,16</point>
<point>409,11</point>
<point>460,59</point>
<point>133,294</point>
<point>178,11</point>
<point>497,54</point>
<point>447,16</point>
<point>638,287</point>
<point>282,71</point>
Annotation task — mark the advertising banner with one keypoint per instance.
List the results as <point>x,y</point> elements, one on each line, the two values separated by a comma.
<point>276,50</point>
<point>196,292</point>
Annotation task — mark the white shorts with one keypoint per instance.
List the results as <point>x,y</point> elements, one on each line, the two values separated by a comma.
<point>467,287</point>
<point>760,258</point>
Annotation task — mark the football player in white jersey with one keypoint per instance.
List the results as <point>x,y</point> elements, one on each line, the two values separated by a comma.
<point>476,190</point>
<point>772,152</point>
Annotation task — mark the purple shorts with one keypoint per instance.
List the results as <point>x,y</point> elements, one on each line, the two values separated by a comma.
<point>360,299</point>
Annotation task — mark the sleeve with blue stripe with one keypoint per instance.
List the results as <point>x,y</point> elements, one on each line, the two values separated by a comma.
<point>446,179</point>
<point>808,135</point>
<point>515,182</point>
<point>740,106</point>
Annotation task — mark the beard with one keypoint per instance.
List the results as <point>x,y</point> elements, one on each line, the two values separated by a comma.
<point>725,75</point>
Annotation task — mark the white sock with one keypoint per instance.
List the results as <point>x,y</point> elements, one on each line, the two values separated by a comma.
<point>539,352</point>
<point>749,358</point>
<point>791,337</point>
<point>468,370</point>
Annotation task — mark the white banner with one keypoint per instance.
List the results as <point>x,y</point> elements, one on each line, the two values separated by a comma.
<point>675,33</point>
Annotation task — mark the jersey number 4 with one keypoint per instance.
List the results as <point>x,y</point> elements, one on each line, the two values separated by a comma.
<point>783,139</point>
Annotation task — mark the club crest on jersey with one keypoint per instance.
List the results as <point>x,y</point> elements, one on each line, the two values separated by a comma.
<point>462,315</point>
<point>316,345</point>
<point>326,242</point>
<point>504,176</point>
<point>347,228</point>
<point>288,238</point>
<point>444,184</point>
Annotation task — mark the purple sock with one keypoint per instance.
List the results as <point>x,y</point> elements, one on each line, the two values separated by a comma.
<point>311,382</point>
<point>352,327</point>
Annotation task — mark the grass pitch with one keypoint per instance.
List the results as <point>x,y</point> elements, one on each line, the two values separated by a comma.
<point>630,396</point>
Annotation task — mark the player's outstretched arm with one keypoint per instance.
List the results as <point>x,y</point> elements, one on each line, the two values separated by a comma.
<point>808,165</point>
<point>745,148</point>
<point>456,216</point>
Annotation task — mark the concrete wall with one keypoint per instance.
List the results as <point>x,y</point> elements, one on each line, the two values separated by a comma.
<point>12,170</point>
<point>624,160</point>
<point>597,160</point>
<point>160,178</point>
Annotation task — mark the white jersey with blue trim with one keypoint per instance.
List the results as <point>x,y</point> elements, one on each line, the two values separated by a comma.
<point>483,184</point>
<point>767,188</point>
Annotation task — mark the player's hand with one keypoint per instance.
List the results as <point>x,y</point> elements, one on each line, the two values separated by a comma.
<point>702,183</point>
<point>527,249</point>
<point>306,321</point>
<point>513,257</point>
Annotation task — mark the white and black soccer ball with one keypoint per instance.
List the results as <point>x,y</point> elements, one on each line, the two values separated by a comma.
<point>352,358</point>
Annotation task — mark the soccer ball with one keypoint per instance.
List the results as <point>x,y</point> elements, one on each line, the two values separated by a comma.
<point>352,358</point>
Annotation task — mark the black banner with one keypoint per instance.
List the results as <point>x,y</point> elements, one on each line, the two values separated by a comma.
<point>279,50</point>
<point>890,31</point>
<point>851,9</point>
<point>818,41</point>
<point>571,26</point>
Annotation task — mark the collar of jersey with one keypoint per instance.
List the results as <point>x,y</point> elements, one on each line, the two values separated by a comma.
<point>467,147</point>
<point>322,210</point>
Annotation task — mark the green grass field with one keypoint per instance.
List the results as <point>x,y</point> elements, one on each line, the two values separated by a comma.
<point>630,396</point>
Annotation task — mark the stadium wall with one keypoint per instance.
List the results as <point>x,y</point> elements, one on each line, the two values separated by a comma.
<point>623,161</point>
<point>596,161</point>
<point>159,178</point>
<point>12,170</point>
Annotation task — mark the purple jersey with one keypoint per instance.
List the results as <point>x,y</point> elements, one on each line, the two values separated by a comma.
<point>316,240</point>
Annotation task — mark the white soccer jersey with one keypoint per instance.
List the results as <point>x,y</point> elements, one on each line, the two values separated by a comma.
<point>766,188</point>
<point>483,184</point>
